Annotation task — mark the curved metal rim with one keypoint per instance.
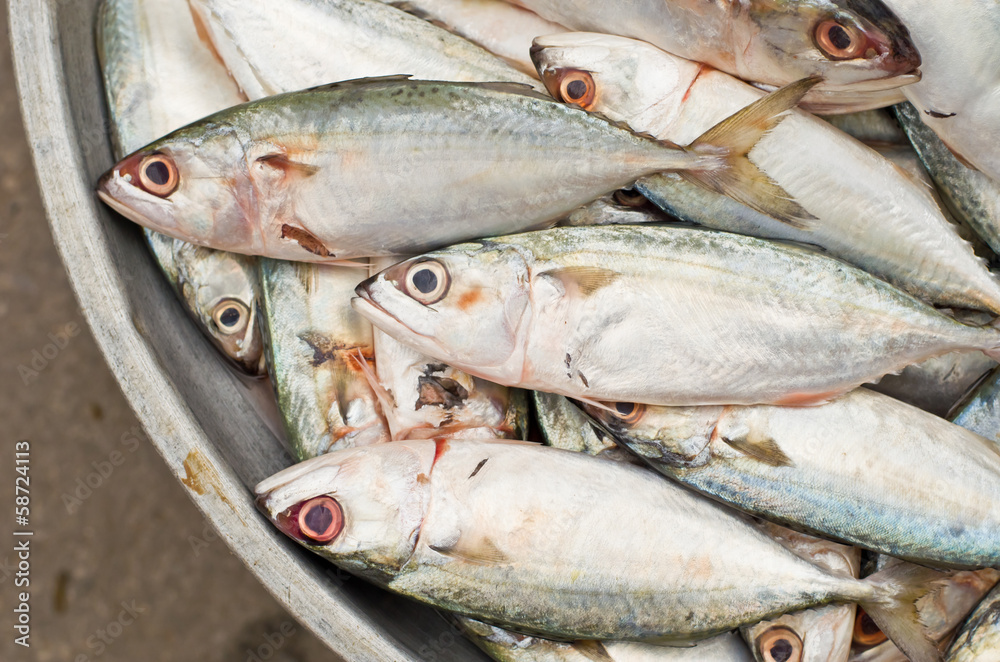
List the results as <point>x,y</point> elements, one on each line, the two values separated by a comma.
<point>75,221</point>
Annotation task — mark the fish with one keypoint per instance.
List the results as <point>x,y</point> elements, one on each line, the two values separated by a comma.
<point>855,47</point>
<point>424,398</point>
<point>958,95</point>
<point>291,176</point>
<point>864,469</point>
<point>501,28</point>
<point>659,315</point>
<point>972,196</point>
<point>315,42</point>
<point>149,95</point>
<point>505,646</point>
<point>814,635</point>
<point>560,544</point>
<point>979,638</point>
<point>315,344</point>
<point>866,210</point>
<point>219,291</point>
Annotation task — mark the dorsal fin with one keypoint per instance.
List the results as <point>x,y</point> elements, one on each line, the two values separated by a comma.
<point>359,82</point>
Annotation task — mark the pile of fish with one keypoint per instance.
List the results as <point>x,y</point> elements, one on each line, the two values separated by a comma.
<point>439,232</point>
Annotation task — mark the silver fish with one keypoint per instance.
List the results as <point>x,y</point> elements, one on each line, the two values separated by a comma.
<point>315,346</point>
<point>817,469</point>
<point>291,176</point>
<point>866,210</point>
<point>315,42</point>
<point>594,311</point>
<point>972,196</point>
<point>219,290</point>
<point>556,543</point>
<point>855,47</point>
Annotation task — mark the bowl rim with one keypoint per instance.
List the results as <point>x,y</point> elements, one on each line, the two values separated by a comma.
<point>75,220</point>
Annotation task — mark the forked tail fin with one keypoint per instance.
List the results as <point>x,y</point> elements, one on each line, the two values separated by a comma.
<point>894,610</point>
<point>735,136</point>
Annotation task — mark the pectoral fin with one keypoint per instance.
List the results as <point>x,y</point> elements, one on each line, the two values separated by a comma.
<point>306,240</point>
<point>289,167</point>
<point>585,280</point>
<point>479,550</point>
<point>762,449</point>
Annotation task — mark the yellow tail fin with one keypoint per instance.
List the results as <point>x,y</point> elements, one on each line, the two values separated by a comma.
<point>736,135</point>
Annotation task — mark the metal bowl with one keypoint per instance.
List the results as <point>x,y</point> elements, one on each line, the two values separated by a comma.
<point>190,404</point>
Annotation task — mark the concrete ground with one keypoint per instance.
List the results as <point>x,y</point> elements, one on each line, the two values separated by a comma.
<point>122,568</point>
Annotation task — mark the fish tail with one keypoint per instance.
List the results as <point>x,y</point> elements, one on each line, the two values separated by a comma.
<point>738,177</point>
<point>894,609</point>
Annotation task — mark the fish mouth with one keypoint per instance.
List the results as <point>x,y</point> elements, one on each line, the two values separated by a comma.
<point>366,305</point>
<point>112,180</point>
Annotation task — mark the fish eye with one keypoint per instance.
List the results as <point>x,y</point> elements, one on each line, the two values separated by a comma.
<point>578,88</point>
<point>629,412</point>
<point>158,175</point>
<point>321,519</point>
<point>839,41</point>
<point>866,632</point>
<point>629,197</point>
<point>779,644</point>
<point>230,316</point>
<point>427,281</point>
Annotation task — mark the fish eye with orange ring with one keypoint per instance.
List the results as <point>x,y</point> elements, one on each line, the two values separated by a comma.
<point>866,632</point>
<point>779,644</point>
<point>629,412</point>
<point>577,88</point>
<point>158,175</point>
<point>840,40</point>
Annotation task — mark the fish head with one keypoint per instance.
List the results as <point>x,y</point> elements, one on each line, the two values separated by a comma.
<point>844,41</point>
<point>222,290</point>
<point>463,305</point>
<point>219,290</point>
<point>623,79</point>
<point>187,185</point>
<point>361,508</point>
<point>675,436</point>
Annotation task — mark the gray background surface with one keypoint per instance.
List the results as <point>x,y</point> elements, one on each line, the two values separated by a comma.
<point>106,537</point>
